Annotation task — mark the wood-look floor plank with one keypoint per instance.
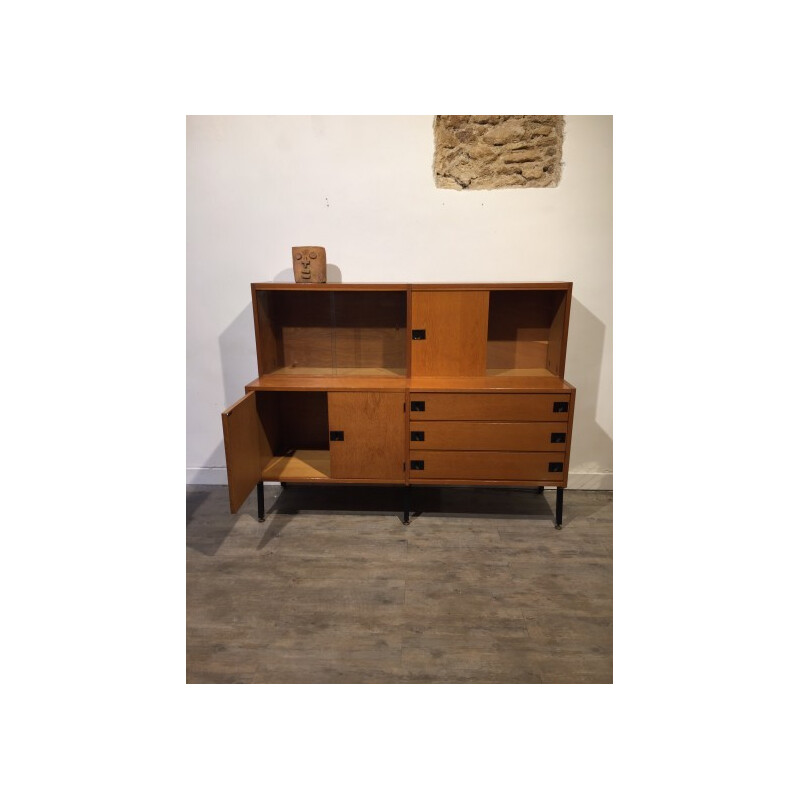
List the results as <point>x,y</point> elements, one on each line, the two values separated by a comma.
<point>332,588</point>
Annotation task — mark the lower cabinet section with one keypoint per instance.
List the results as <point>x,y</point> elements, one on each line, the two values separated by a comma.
<point>314,436</point>
<point>433,465</point>
<point>497,437</point>
<point>390,437</point>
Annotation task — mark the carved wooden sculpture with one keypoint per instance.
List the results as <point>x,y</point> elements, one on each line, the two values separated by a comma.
<point>310,265</point>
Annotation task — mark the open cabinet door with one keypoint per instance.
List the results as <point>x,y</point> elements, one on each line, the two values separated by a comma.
<point>240,429</point>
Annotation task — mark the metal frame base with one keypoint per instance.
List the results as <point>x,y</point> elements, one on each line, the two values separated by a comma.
<point>407,503</point>
<point>260,498</point>
<point>559,507</point>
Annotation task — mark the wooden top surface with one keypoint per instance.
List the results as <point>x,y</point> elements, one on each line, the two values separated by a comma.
<point>331,287</point>
<point>298,383</point>
<point>493,383</point>
<point>402,287</point>
<point>332,383</point>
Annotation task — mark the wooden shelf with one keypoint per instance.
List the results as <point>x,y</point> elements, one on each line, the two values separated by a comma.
<point>490,383</point>
<point>298,382</point>
<point>532,372</point>
<point>352,372</point>
<point>301,465</point>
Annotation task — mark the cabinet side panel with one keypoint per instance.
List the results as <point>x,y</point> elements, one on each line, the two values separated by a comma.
<point>557,345</point>
<point>268,341</point>
<point>374,435</point>
<point>455,325</point>
<point>269,428</point>
<point>240,429</point>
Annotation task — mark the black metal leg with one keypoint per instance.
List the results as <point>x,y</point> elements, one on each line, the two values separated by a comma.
<point>406,505</point>
<point>260,495</point>
<point>540,490</point>
<point>559,507</point>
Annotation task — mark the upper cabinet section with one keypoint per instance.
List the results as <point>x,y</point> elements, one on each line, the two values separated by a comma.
<point>376,336</point>
<point>490,331</point>
<point>330,330</point>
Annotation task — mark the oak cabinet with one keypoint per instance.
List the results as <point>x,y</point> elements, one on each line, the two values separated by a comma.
<point>447,384</point>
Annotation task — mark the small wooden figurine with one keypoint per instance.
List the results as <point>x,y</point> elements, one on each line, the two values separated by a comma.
<point>309,264</point>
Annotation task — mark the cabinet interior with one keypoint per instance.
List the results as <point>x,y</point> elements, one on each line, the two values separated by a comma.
<point>331,332</point>
<point>526,333</point>
<point>295,441</point>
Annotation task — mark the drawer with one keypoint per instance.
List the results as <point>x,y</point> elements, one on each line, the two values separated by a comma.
<point>490,466</point>
<point>547,436</point>
<point>489,406</point>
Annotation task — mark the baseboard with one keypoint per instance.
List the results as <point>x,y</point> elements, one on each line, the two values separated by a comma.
<point>597,481</point>
<point>218,476</point>
<point>208,476</point>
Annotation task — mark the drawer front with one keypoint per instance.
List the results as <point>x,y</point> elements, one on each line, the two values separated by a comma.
<point>487,466</point>
<point>496,407</point>
<point>511,436</point>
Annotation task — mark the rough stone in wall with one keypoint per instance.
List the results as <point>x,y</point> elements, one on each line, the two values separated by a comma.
<point>497,152</point>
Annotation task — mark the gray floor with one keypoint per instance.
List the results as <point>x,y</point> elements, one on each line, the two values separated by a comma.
<point>333,588</point>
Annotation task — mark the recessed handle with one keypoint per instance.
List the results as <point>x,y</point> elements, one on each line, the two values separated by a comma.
<point>337,436</point>
<point>417,333</point>
<point>417,405</point>
<point>417,465</point>
<point>417,436</point>
<point>560,408</point>
<point>555,466</point>
<point>558,438</point>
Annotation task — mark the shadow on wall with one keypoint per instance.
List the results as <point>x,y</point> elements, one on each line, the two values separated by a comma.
<point>592,447</point>
<point>237,350</point>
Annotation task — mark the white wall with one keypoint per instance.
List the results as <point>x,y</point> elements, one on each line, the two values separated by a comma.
<point>362,187</point>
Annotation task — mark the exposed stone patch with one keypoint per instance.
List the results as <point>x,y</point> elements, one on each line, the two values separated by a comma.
<point>493,152</point>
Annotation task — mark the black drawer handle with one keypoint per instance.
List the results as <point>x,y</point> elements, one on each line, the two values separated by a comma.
<point>560,407</point>
<point>558,438</point>
<point>555,466</point>
<point>417,465</point>
<point>417,333</point>
<point>337,436</point>
<point>417,436</point>
<point>417,405</point>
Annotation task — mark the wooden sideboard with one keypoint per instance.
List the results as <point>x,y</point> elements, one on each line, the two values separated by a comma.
<point>421,384</point>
